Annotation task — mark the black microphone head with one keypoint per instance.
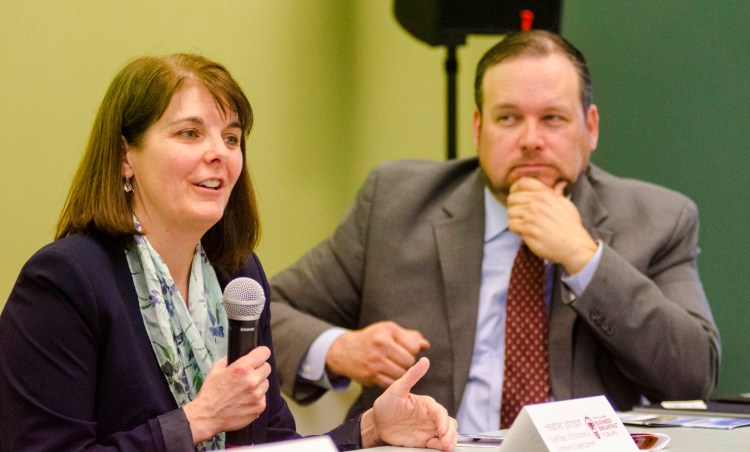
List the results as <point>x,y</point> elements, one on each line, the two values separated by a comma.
<point>243,299</point>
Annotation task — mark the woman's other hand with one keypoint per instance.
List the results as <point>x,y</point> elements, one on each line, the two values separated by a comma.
<point>404,419</point>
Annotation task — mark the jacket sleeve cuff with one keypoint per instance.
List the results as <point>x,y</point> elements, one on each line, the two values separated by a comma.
<point>175,430</point>
<point>348,436</point>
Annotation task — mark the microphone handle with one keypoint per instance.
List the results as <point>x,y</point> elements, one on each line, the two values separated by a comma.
<point>243,337</point>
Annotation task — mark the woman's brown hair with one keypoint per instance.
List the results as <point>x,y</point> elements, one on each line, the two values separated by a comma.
<point>137,97</point>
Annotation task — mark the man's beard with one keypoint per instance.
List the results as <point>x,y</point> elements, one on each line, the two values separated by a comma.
<point>501,192</point>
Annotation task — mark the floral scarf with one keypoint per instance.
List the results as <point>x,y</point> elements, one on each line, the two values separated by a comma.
<point>186,343</point>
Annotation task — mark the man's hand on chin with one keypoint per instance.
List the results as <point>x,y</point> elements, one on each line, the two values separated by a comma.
<point>549,223</point>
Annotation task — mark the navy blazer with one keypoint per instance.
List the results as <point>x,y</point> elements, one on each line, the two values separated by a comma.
<point>78,370</point>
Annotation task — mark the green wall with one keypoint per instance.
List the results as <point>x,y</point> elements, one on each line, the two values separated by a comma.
<point>672,81</point>
<point>338,86</point>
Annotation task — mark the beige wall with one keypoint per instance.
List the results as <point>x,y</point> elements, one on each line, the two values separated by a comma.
<point>337,87</point>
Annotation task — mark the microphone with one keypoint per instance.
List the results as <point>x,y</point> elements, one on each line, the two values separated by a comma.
<point>243,301</point>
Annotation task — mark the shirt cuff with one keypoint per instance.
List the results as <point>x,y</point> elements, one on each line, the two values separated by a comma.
<point>577,283</point>
<point>313,365</point>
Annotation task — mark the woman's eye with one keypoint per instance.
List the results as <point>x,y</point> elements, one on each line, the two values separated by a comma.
<point>190,133</point>
<point>232,140</point>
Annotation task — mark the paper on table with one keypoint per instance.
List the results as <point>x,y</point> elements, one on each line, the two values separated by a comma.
<point>684,405</point>
<point>655,420</point>
<point>480,439</point>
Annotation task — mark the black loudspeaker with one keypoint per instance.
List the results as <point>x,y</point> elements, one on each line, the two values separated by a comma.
<point>447,22</point>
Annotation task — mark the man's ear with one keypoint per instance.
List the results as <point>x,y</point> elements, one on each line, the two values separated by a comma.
<point>592,125</point>
<point>476,127</point>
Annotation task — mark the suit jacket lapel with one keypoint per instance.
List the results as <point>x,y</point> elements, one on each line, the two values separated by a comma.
<point>562,317</point>
<point>461,266</point>
<point>593,212</point>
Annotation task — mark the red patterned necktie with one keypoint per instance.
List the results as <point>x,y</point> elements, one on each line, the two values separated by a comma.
<point>526,373</point>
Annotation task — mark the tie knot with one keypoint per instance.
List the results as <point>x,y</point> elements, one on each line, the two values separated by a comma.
<point>526,257</point>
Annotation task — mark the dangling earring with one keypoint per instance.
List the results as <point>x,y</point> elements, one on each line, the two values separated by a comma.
<point>127,185</point>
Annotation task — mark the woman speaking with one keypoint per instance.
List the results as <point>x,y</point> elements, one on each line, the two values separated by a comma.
<point>114,336</point>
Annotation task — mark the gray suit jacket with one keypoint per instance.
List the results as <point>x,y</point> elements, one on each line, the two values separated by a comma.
<point>410,250</point>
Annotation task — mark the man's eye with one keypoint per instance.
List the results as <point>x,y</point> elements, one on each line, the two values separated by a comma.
<point>506,119</point>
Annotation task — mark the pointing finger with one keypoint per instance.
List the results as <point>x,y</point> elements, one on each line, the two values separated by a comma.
<point>403,385</point>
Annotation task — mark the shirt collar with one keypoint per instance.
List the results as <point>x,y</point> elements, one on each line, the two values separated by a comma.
<point>495,218</point>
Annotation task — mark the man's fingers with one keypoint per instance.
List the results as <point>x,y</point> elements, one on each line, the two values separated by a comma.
<point>401,345</point>
<point>526,183</point>
<point>412,341</point>
<point>560,187</point>
<point>393,366</point>
<point>383,381</point>
<point>529,184</point>
<point>394,360</point>
<point>403,385</point>
<point>392,369</point>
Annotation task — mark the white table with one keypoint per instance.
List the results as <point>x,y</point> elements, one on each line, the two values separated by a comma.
<point>684,439</point>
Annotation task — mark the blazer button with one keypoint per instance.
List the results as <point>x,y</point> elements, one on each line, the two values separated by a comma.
<point>595,316</point>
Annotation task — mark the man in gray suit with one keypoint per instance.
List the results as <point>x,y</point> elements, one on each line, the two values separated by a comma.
<point>421,263</point>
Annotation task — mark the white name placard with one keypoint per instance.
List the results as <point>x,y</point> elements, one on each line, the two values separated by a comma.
<point>588,424</point>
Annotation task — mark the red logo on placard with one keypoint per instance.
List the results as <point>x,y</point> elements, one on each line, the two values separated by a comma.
<point>592,426</point>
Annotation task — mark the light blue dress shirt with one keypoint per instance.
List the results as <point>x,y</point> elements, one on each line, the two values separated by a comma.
<point>480,406</point>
